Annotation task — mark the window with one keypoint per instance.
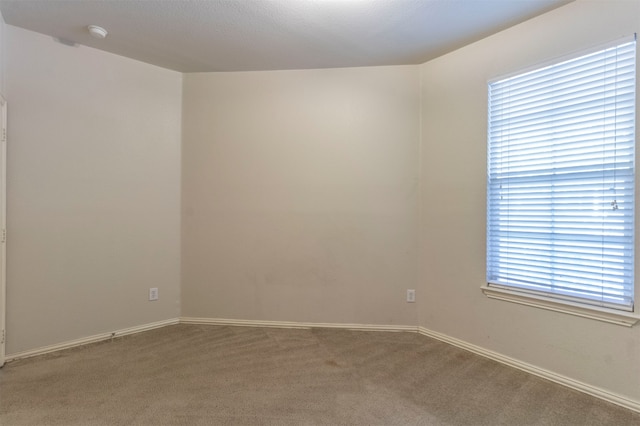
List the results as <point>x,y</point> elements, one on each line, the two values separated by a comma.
<point>560,189</point>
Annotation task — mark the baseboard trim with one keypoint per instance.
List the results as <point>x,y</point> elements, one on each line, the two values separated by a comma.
<point>90,339</point>
<point>288,324</point>
<point>536,371</point>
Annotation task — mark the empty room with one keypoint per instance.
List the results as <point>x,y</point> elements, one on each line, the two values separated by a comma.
<point>337,212</point>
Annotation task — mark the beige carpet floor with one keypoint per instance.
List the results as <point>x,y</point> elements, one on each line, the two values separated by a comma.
<point>216,375</point>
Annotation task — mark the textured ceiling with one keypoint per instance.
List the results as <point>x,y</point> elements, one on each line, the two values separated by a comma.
<point>243,35</point>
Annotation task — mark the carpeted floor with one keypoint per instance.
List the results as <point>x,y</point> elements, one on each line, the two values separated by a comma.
<point>215,375</point>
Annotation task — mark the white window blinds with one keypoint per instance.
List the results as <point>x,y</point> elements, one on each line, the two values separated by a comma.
<point>560,197</point>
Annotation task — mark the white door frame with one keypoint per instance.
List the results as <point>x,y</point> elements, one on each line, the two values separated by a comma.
<point>3,227</point>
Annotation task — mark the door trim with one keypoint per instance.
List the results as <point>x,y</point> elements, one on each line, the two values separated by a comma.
<point>3,229</point>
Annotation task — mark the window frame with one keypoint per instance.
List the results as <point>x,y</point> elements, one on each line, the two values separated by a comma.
<point>540,300</point>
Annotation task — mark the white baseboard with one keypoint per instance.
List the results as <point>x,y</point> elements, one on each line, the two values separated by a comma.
<point>90,339</point>
<point>288,324</point>
<point>536,371</point>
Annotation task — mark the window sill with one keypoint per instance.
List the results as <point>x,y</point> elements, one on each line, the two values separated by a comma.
<point>612,316</point>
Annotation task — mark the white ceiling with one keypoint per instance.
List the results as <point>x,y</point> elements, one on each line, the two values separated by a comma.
<point>243,35</point>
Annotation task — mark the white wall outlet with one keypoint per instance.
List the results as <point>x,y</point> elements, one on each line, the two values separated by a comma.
<point>153,293</point>
<point>411,295</point>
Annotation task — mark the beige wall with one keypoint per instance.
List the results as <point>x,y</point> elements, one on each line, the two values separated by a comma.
<point>2,55</point>
<point>94,191</point>
<point>300,195</point>
<point>454,114</point>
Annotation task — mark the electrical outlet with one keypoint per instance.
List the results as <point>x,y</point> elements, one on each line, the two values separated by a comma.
<point>411,295</point>
<point>153,293</point>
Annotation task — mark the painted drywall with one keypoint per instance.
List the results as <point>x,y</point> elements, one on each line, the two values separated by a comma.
<point>2,55</point>
<point>94,191</point>
<point>454,114</point>
<point>300,195</point>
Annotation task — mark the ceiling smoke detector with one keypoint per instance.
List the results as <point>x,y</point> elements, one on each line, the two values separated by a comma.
<point>97,32</point>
